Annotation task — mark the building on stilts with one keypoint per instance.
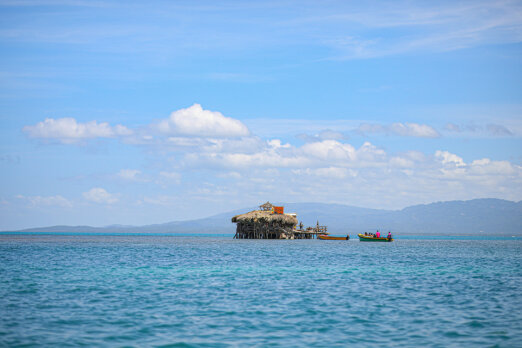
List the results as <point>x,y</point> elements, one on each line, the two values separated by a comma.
<point>271,222</point>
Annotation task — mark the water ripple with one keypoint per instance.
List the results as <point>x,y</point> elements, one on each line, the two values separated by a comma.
<point>218,292</point>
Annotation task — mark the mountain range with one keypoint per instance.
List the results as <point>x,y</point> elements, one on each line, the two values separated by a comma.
<point>486,216</point>
<point>479,216</point>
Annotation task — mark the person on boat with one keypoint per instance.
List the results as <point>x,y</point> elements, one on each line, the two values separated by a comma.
<point>378,234</point>
<point>389,235</point>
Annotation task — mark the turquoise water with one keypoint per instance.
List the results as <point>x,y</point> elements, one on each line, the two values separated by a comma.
<point>59,290</point>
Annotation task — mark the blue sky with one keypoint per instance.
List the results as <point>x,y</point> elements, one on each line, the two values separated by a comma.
<point>135,113</point>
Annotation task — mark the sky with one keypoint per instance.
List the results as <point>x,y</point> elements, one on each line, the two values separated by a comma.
<point>134,113</point>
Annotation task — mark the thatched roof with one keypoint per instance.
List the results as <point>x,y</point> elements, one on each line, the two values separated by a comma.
<point>266,207</point>
<point>265,216</point>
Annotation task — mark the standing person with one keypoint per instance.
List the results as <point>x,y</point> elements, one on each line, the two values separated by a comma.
<point>389,235</point>
<point>378,234</point>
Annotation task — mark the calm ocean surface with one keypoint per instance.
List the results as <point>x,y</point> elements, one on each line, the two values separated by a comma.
<point>59,290</point>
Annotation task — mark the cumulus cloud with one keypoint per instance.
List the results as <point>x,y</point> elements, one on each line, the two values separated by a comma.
<point>400,129</point>
<point>251,144</point>
<point>409,159</point>
<point>334,170</point>
<point>401,162</point>
<point>100,196</point>
<point>448,158</point>
<point>195,121</point>
<point>329,150</point>
<point>68,130</point>
<point>276,144</point>
<point>57,200</point>
<point>265,159</point>
<point>486,166</point>
<point>275,155</point>
<point>384,180</point>
<point>325,166</point>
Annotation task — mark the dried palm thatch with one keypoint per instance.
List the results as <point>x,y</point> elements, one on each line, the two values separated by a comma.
<point>258,216</point>
<point>266,207</point>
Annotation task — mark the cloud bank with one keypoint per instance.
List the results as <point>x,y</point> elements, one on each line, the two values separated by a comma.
<point>400,129</point>
<point>67,130</point>
<point>195,121</point>
<point>204,155</point>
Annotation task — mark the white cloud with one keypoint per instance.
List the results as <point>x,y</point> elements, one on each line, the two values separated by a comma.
<point>195,121</point>
<point>329,172</point>
<point>414,130</point>
<point>329,150</point>
<point>326,134</point>
<point>336,171</point>
<point>251,144</point>
<point>385,182</point>
<point>68,130</point>
<point>130,174</point>
<point>230,175</point>
<point>448,158</point>
<point>274,155</point>
<point>265,159</point>
<point>400,129</point>
<point>276,144</point>
<point>326,166</point>
<point>401,162</point>
<point>485,167</point>
<point>100,195</point>
<point>57,200</point>
<point>186,142</point>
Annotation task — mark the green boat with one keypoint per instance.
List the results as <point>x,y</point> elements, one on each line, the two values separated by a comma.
<point>364,238</point>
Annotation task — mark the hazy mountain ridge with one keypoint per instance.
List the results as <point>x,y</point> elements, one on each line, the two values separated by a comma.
<point>478,216</point>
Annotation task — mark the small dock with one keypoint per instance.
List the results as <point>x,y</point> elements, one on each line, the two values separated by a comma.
<point>310,232</point>
<point>271,222</point>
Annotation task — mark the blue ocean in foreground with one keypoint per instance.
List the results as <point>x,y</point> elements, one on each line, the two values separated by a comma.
<point>171,291</point>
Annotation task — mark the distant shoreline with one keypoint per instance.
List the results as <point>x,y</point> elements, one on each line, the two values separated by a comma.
<point>405,236</point>
<point>485,217</point>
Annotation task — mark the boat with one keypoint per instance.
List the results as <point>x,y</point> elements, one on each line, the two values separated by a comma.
<point>326,237</point>
<point>370,238</point>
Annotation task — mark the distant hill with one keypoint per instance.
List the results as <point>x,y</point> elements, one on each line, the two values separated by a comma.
<point>479,216</point>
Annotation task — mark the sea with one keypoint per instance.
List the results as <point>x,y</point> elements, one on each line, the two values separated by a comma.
<point>66,290</point>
